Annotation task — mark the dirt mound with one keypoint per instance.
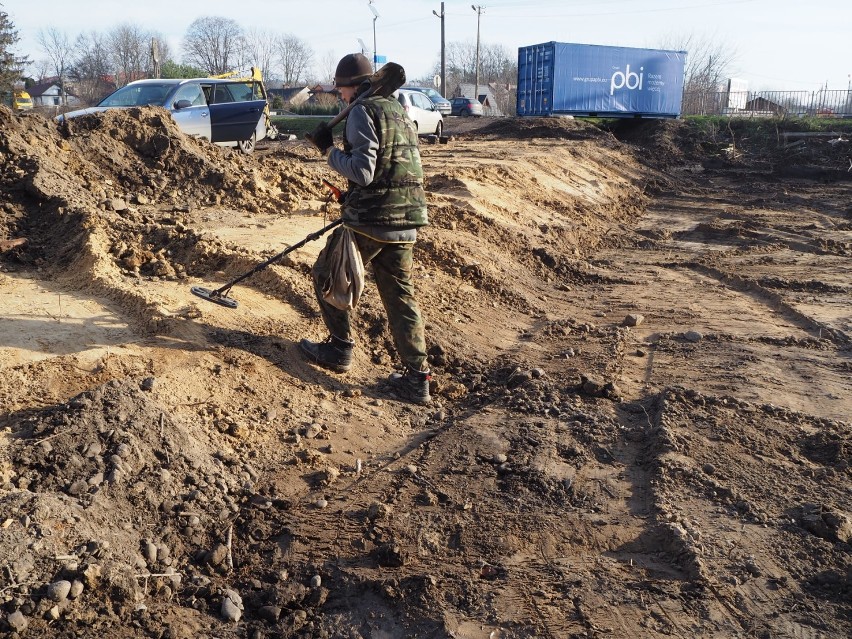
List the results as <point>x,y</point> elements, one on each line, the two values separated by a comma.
<point>116,491</point>
<point>783,148</point>
<point>132,160</point>
<point>552,128</point>
<point>666,142</point>
<point>115,194</point>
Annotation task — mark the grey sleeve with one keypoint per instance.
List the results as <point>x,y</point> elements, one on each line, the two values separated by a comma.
<point>360,165</point>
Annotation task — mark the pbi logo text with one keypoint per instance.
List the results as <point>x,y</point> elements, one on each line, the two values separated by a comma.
<point>626,79</point>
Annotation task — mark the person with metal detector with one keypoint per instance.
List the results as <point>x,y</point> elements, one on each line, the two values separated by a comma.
<point>384,206</point>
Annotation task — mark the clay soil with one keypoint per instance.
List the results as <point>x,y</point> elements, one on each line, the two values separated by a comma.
<point>640,340</point>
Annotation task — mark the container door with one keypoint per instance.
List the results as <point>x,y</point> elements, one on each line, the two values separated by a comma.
<point>535,79</point>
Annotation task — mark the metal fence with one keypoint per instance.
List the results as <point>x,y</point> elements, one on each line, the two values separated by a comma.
<point>768,103</point>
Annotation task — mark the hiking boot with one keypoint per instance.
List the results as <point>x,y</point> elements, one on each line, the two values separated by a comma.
<point>411,386</point>
<point>334,353</point>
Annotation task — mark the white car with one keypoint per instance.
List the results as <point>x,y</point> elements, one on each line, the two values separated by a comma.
<point>422,111</point>
<point>226,112</point>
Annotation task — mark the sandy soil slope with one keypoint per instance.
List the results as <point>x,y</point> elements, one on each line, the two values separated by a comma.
<point>642,359</point>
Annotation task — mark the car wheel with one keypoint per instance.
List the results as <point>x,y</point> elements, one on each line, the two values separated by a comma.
<point>439,129</point>
<point>417,127</point>
<point>247,146</point>
<point>465,113</point>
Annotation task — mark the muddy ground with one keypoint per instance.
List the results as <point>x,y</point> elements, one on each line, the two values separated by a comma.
<point>640,339</point>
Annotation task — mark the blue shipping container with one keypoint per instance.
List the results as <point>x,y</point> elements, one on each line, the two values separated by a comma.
<point>588,79</point>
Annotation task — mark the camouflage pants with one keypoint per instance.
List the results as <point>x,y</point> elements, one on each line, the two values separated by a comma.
<point>392,266</point>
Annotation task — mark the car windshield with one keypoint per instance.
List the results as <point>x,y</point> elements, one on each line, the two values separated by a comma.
<point>137,95</point>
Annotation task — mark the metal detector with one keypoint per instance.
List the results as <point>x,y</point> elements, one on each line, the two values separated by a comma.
<point>220,295</point>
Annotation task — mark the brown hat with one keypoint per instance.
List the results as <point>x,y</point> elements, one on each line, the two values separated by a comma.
<point>352,70</point>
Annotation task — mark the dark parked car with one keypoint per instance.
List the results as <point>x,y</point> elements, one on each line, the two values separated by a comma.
<point>441,102</point>
<point>228,112</point>
<point>465,107</point>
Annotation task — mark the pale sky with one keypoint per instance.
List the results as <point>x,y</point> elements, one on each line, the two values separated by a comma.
<point>779,44</point>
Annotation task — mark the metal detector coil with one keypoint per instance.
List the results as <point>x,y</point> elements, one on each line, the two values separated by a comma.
<point>214,296</point>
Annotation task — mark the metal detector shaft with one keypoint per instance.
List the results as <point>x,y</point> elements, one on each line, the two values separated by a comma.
<point>310,238</point>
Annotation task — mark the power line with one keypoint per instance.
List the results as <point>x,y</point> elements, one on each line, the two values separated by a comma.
<point>705,5</point>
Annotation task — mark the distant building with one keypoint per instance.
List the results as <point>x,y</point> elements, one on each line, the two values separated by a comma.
<point>764,106</point>
<point>48,93</point>
<point>496,99</point>
<point>323,88</point>
<point>323,95</point>
<point>290,96</point>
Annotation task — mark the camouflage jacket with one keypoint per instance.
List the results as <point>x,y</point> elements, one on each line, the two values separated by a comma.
<point>395,197</point>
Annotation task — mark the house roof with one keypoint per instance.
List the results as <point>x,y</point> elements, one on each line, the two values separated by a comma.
<point>467,89</point>
<point>41,88</point>
<point>485,96</point>
<point>287,93</point>
<point>763,103</point>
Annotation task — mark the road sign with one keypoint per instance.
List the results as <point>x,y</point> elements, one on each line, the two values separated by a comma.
<point>437,81</point>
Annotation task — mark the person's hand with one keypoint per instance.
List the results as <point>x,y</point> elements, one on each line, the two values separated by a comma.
<point>321,137</point>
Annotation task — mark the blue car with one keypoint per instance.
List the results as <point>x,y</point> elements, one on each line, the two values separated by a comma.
<point>228,112</point>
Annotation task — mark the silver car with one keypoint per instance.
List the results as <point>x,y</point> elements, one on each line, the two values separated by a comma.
<point>226,112</point>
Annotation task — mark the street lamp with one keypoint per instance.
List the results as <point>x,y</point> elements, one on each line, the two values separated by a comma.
<point>478,9</point>
<point>375,17</point>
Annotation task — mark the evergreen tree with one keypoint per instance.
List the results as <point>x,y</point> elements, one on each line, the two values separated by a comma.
<point>11,66</point>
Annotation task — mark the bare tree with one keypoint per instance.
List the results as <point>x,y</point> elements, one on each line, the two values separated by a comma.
<point>461,61</point>
<point>91,67</point>
<point>40,69</point>
<point>130,50</point>
<point>496,66</point>
<point>295,58</point>
<point>708,61</point>
<point>327,66</point>
<point>213,44</point>
<point>59,50</point>
<point>260,49</point>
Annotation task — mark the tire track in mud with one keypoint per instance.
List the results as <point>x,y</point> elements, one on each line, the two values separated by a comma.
<point>744,331</point>
<point>742,567</point>
<point>772,300</point>
<point>753,589</point>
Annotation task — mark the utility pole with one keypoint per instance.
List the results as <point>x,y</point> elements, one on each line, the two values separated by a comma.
<point>155,57</point>
<point>443,54</point>
<point>478,9</point>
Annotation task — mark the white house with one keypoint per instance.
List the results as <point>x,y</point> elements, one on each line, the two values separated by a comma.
<point>49,93</point>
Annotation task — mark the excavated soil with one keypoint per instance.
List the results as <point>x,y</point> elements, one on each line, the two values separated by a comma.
<point>640,340</point>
